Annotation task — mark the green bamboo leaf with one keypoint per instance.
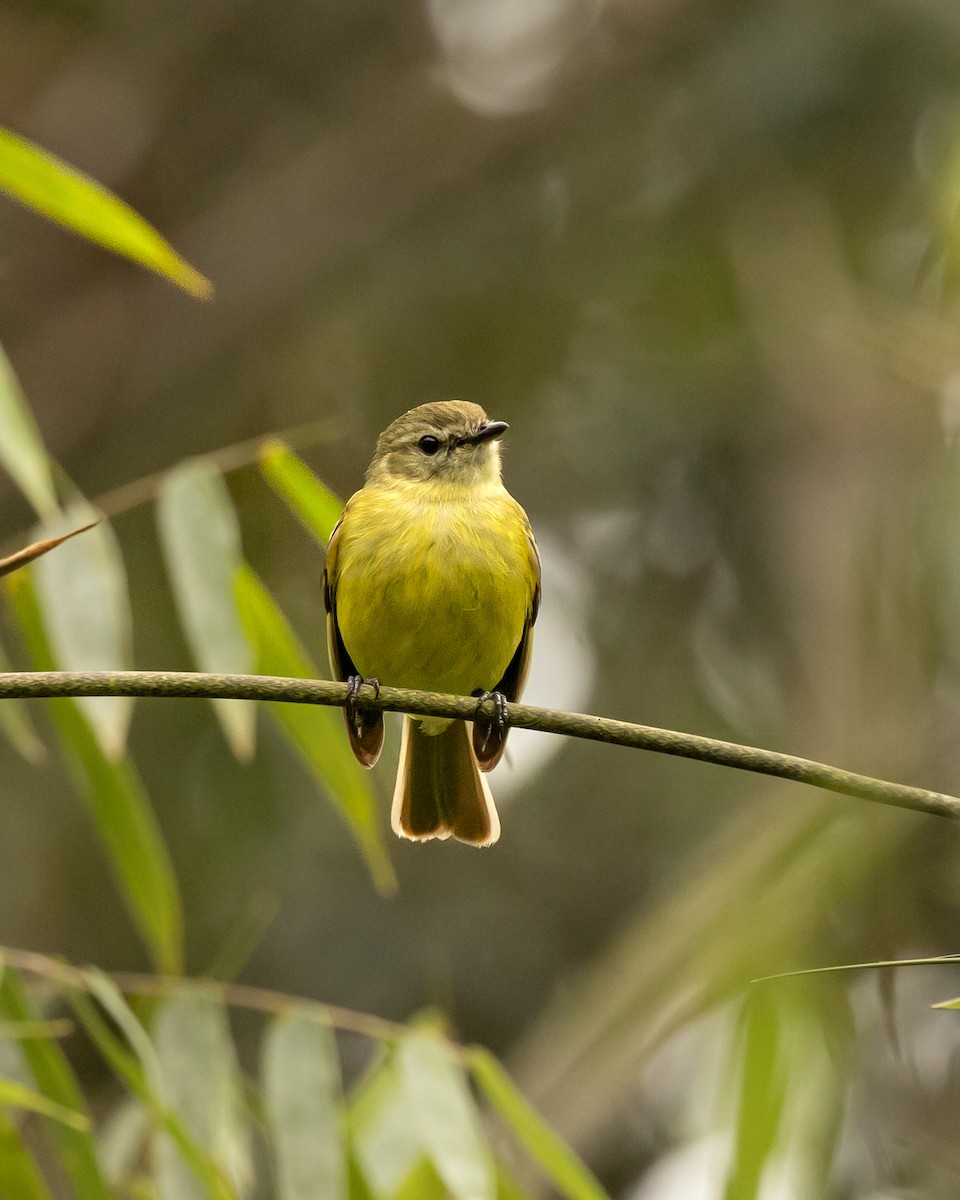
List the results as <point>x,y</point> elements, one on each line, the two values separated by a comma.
<point>19,1176</point>
<point>201,544</point>
<point>762,1095</point>
<point>22,452</point>
<point>15,1095</point>
<point>17,726</point>
<point>202,1087</point>
<point>445,1115</point>
<point>140,1080</point>
<point>821,1048</point>
<point>559,1162</point>
<point>82,590</point>
<point>74,200</point>
<point>383,1134</point>
<point>103,989</point>
<point>423,1183</point>
<point>306,495</point>
<point>121,1140</point>
<point>358,1189</point>
<point>304,1104</point>
<point>315,732</point>
<point>117,801</point>
<point>53,1077</point>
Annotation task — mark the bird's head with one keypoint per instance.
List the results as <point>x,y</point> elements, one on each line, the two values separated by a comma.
<point>451,441</point>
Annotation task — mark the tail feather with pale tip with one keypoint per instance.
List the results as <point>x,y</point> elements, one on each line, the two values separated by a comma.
<point>440,791</point>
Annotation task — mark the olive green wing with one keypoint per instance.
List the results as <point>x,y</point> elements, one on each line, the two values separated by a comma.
<point>489,737</point>
<point>364,729</point>
<point>340,663</point>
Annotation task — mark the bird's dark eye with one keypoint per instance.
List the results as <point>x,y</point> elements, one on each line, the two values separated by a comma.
<point>429,445</point>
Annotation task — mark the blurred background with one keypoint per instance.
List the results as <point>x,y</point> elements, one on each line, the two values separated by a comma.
<point>702,256</point>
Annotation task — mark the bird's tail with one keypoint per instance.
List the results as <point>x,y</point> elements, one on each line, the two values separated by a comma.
<point>440,790</point>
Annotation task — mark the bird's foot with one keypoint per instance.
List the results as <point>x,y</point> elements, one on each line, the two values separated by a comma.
<point>353,703</point>
<point>497,722</point>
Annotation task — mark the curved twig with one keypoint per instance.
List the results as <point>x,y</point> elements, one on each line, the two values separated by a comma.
<point>237,995</point>
<point>519,716</point>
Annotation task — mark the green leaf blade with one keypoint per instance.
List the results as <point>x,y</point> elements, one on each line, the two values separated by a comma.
<point>316,733</point>
<point>383,1135</point>
<point>306,495</point>
<point>569,1174</point>
<point>201,1084</point>
<point>762,1095</point>
<point>53,1077</point>
<point>74,200</point>
<point>83,595</point>
<point>423,1183</point>
<point>22,452</point>
<point>304,1104</point>
<point>142,1076</point>
<point>112,1001</point>
<point>445,1115</point>
<point>200,536</point>
<point>117,801</point>
<point>15,1095</point>
<point>19,1176</point>
<point>121,1139</point>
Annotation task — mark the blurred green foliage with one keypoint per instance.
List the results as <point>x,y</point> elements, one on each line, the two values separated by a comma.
<point>702,256</point>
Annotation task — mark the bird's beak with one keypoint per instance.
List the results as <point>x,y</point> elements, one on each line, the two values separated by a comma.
<point>489,431</point>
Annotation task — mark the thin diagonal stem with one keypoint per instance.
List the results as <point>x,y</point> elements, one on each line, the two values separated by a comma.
<point>520,716</point>
<point>228,458</point>
<point>237,995</point>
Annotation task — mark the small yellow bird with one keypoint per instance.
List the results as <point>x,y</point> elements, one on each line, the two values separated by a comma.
<point>432,582</point>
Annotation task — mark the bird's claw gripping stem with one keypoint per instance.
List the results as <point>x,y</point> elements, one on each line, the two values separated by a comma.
<point>498,720</point>
<point>353,702</point>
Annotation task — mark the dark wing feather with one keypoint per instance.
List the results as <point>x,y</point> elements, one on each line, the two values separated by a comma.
<point>489,739</point>
<point>364,729</point>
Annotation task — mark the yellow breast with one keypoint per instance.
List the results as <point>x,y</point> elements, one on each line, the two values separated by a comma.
<point>433,593</point>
